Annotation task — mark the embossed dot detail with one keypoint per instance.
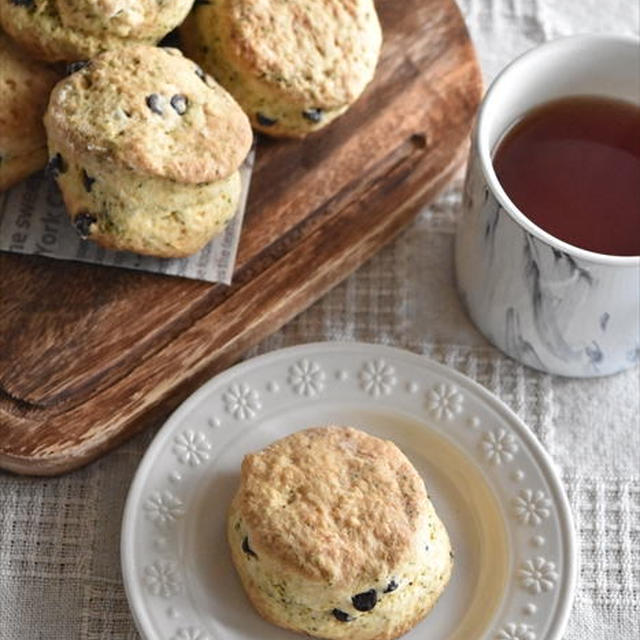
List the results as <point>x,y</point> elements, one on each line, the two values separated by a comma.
<point>530,507</point>
<point>273,386</point>
<point>163,508</point>
<point>162,579</point>
<point>306,378</point>
<point>499,447</point>
<point>444,401</point>
<point>537,541</point>
<point>341,375</point>
<point>241,401</point>
<point>377,378</point>
<point>529,609</point>
<point>516,631</point>
<point>538,575</point>
<point>412,387</point>
<point>474,422</point>
<point>517,475</point>
<point>189,633</point>
<point>160,543</point>
<point>191,448</point>
<point>175,477</point>
<point>172,612</point>
<point>214,423</point>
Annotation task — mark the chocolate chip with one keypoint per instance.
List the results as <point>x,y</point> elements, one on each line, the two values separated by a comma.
<point>451,555</point>
<point>72,67</point>
<point>200,73</point>
<point>392,586</point>
<point>153,102</point>
<point>247,549</point>
<point>366,600</point>
<point>199,3</point>
<point>264,120</point>
<point>172,39</point>
<point>87,181</point>
<point>22,3</point>
<point>82,222</point>
<point>179,104</point>
<point>343,616</point>
<point>313,115</point>
<point>56,166</point>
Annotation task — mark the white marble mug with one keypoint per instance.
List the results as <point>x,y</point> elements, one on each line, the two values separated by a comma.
<point>544,302</point>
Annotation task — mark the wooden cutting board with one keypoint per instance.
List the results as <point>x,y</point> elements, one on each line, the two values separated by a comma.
<point>89,355</point>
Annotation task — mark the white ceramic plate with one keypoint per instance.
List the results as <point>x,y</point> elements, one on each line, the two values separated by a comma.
<point>491,482</point>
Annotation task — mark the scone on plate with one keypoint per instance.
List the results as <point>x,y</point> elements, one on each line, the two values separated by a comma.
<point>293,65</point>
<point>71,30</point>
<point>333,535</point>
<point>146,151</point>
<point>25,88</point>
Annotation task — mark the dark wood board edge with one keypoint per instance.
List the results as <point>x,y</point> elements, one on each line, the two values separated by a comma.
<point>298,298</point>
<point>158,390</point>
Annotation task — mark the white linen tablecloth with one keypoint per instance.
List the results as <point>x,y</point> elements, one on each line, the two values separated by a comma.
<point>59,538</point>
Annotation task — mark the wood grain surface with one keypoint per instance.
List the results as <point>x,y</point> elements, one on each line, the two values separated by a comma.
<point>89,355</point>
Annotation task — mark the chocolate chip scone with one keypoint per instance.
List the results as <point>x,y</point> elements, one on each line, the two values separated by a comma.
<point>333,535</point>
<point>146,149</point>
<point>71,30</point>
<point>25,88</point>
<point>293,65</point>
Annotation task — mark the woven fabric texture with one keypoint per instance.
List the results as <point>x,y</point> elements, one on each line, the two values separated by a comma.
<point>59,538</point>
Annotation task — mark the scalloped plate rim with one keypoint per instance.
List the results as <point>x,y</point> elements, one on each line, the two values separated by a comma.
<point>570,560</point>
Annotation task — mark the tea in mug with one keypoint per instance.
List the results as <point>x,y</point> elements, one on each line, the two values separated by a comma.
<point>572,166</point>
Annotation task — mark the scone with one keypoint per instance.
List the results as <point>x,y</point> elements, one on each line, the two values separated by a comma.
<point>146,151</point>
<point>71,30</point>
<point>25,88</point>
<point>333,535</point>
<point>293,65</point>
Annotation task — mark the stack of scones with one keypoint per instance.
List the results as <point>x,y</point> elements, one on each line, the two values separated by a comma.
<point>331,530</point>
<point>145,144</point>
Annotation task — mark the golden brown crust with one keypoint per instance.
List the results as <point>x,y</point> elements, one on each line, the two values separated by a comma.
<point>332,503</point>
<point>322,47</point>
<point>59,30</point>
<point>333,535</point>
<point>157,217</point>
<point>299,64</point>
<point>150,110</point>
<point>13,170</point>
<point>136,19</point>
<point>24,91</point>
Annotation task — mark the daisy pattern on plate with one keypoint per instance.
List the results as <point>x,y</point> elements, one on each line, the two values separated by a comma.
<point>515,631</point>
<point>163,508</point>
<point>190,633</point>
<point>241,401</point>
<point>531,507</point>
<point>444,401</point>
<point>377,377</point>
<point>537,575</point>
<point>496,448</point>
<point>499,446</point>
<point>191,447</point>
<point>306,378</point>
<point>162,579</point>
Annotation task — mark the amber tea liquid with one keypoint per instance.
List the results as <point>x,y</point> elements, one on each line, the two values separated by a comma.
<point>572,166</point>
